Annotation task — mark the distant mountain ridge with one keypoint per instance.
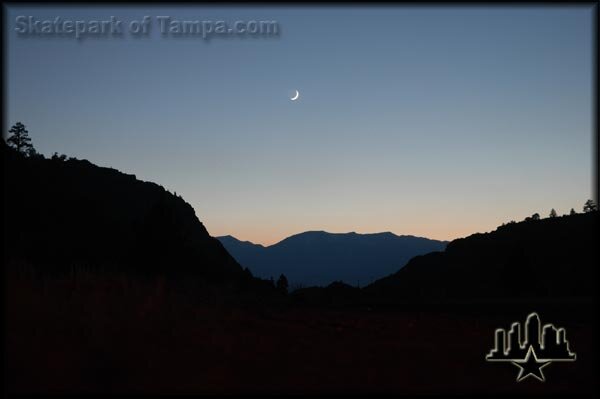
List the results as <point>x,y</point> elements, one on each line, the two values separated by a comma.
<point>320,258</point>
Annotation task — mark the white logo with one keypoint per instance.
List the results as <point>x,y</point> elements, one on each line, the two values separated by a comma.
<point>539,347</point>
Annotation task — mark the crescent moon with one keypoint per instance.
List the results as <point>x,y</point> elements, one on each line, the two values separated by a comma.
<point>296,96</point>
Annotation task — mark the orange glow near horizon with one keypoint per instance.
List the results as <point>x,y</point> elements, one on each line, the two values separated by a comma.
<point>267,237</point>
<point>440,225</point>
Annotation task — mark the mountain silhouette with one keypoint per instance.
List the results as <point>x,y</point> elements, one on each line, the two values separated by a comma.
<point>320,258</point>
<point>550,258</point>
<point>64,213</point>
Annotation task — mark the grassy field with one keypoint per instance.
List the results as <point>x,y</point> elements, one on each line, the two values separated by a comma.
<point>112,335</point>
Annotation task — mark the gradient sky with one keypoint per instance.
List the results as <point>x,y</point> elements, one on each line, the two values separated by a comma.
<point>437,122</point>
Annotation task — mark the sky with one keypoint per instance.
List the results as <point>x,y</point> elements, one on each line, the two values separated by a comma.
<point>435,122</point>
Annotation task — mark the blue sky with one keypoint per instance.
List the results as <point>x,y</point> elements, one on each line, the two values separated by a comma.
<point>434,121</point>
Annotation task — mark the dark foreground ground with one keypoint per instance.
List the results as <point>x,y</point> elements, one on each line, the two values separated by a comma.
<point>114,336</point>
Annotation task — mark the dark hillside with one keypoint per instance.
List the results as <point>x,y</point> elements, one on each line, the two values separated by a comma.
<point>61,214</point>
<point>553,258</point>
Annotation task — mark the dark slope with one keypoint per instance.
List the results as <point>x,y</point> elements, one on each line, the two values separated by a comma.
<point>60,214</point>
<point>245,250</point>
<point>319,258</point>
<point>552,258</point>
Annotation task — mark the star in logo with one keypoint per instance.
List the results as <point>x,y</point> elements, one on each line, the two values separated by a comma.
<point>531,366</point>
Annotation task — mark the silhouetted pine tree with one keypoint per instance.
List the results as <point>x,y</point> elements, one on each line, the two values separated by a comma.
<point>19,138</point>
<point>589,206</point>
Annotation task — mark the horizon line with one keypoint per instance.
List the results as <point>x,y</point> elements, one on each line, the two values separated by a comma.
<point>332,233</point>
